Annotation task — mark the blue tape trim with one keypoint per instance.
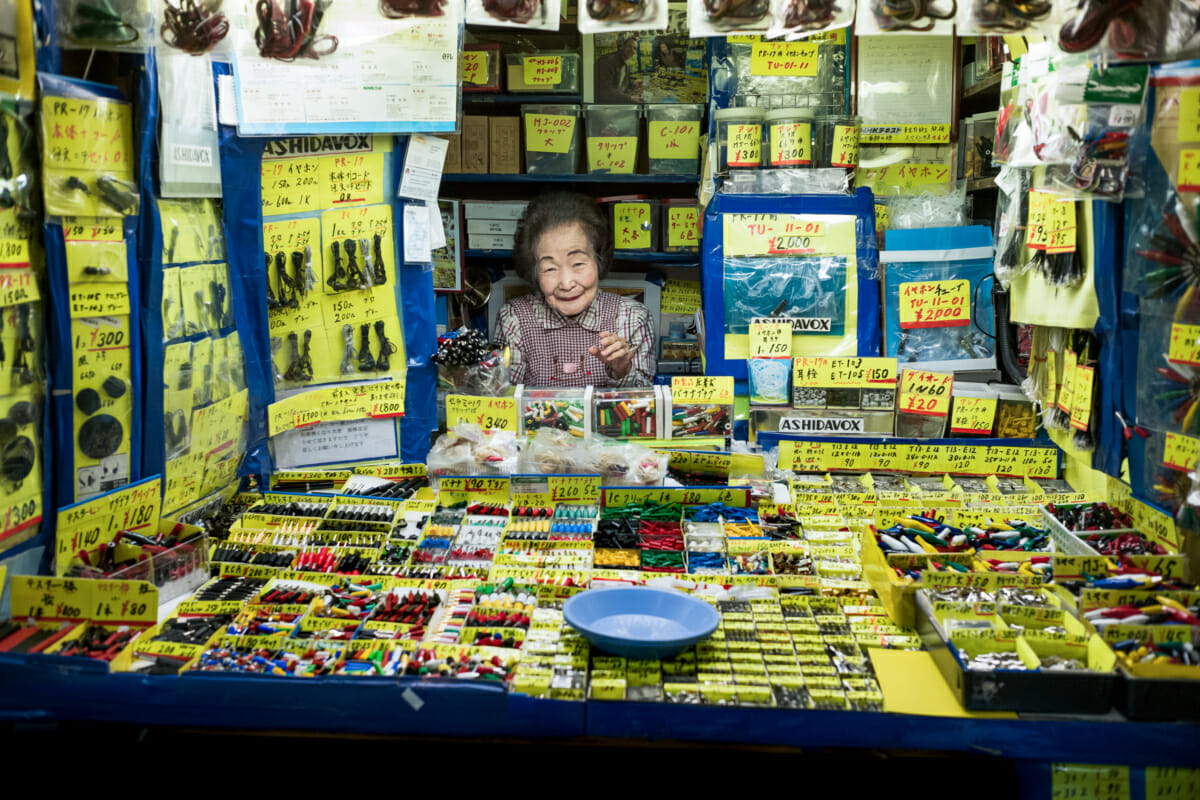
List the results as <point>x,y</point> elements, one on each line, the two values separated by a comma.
<point>1108,246</point>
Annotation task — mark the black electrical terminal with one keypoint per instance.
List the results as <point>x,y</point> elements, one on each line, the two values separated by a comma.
<point>117,195</point>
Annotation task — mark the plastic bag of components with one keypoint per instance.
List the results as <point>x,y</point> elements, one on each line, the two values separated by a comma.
<point>542,15</point>
<point>738,67</point>
<point>723,17</point>
<point>937,298</point>
<point>551,451</point>
<point>467,449</point>
<point>613,16</point>
<point>996,17</point>
<point>194,27</point>
<point>1012,211</point>
<point>904,16</point>
<point>17,164</point>
<point>626,463</point>
<point>796,19</point>
<point>805,290</point>
<point>469,364</point>
<point>189,165</point>
<point>789,181</point>
<point>928,209</point>
<point>1150,30</point>
<point>124,25</point>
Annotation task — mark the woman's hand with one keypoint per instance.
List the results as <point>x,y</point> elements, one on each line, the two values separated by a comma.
<point>615,353</point>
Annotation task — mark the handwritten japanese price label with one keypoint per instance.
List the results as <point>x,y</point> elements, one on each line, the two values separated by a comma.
<point>1189,114</point>
<point>88,135</point>
<point>679,140</point>
<point>474,67</point>
<point>744,145</point>
<point>861,373</point>
<point>1066,391</point>
<point>680,297</point>
<point>683,226</point>
<point>770,340</point>
<point>845,146</point>
<point>1189,170</point>
<point>935,304</point>
<point>797,59</point>
<point>542,70</point>
<point>938,133</point>
<point>1181,452</point>
<point>21,287</point>
<point>1172,783</point>
<point>926,393</point>
<point>97,300</point>
<point>290,186</point>
<point>791,144</point>
<point>973,415</point>
<point>489,413</point>
<point>714,390</point>
<point>49,599</point>
<point>574,488</point>
<point>1081,397</point>
<point>123,602</point>
<point>614,154</point>
<point>904,178</point>
<point>1088,782</point>
<point>92,524</point>
<point>14,253</point>
<point>787,234</point>
<point>631,226</point>
<point>1184,347</point>
<point>549,133</point>
<point>883,217</point>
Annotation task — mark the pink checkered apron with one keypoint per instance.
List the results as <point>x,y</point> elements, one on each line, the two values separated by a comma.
<point>559,356</point>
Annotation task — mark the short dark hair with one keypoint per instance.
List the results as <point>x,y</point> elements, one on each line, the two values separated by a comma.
<point>551,210</point>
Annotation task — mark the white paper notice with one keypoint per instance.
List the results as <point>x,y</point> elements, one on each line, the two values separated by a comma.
<point>416,234</point>
<point>332,442</point>
<point>437,230</point>
<point>423,167</point>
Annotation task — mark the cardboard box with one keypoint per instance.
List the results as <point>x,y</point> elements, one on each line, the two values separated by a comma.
<point>494,209</point>
<point>453,153</point>
<point>475,145</point>
<point>499,227</point>
<point>487,241</point>
<point>504,139</point>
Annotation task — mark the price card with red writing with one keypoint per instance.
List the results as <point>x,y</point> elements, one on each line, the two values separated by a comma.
<point>549,133</point>
<point>574,488</point>
<point>795,59</point>
<point>1184,345</point>
<point>744,148</point>
<point>84,139</point>
<point>788,234</point>
<point>676,140</point>
<point>713,390</point>
<point>770,340</point>
<point>1181,452</point>
<point>791,144</point>
<point>612,154</point>
<point>1066,391</point>
<point>474,67</point>
<point>925,393</point>
<point>1081,397</point>
<point>489,413</point>
<point>1038,220</point>
<point>935,304</point>
<point>845,146</point>
<point>1088,782</point>
<point>123,602</point>
<point>49,599</point>
<point>1189,170</point>
<point>1172,783</point>
<point>542,70</point>
<point>90,525</point>
<point>973,415</point>
<point>683,227</point>
<point>631,226</point>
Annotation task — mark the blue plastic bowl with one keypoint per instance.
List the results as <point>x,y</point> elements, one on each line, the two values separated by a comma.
<point>640,622</point>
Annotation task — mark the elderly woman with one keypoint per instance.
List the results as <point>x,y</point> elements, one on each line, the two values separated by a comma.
<point>568,332</point>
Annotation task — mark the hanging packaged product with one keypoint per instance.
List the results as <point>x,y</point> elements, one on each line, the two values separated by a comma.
<point>125,25</point>
<point>188,147</point>
<point>195,27</point>
<point>808,74</point>
<point>797,19</point>
<point>1012,215</point>
<point>1050,232</point>
<point>724,17</point>
<point>87,150</point>
<point>542,15</point>
<point>924,17</point>
<point>937,300</point>
<point>995,17</point>
<point>611,16</point>
<point>1132,32</point>
<point>448,260</point>
<point>794,268</point>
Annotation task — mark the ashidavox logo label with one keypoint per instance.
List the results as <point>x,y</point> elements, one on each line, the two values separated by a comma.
<point>820,425</point>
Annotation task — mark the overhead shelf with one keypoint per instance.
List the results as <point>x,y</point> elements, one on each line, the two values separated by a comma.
<point>516,99</point>
<point>989,83</point>
<point>980,184</point>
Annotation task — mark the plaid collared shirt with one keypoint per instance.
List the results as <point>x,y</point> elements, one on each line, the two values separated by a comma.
<point>549,349</point>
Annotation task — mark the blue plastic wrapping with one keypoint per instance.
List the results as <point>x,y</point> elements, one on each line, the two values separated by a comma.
<point>712,274</point>
<point>913,261</point>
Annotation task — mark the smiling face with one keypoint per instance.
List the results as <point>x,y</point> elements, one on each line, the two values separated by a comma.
<point>567,272</point>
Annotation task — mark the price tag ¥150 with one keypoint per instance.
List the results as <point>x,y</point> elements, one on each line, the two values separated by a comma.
<point>770,340</point>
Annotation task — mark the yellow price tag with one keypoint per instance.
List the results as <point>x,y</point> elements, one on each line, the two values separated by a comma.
<point>549,133</point>
<point>49,599</point>
<point>93,136</point>
<point>973,415</point>
<point>542,70</point>
<point>14,253</point>
<point>744,148</point>
<point>20,286</point>
<point>1038,220</point>
<point>787,234</point>
<point>1181,452</point>
<point>631,226</point>
<point>680,297</point>
<point>1189,171</point>
<point>883,217</point>
<point>534,499</point>
<point>613,154</point>
<point>474,67</point>
<point>1173,783</point>
<point>1060,230</point>
<point>124,602</point>
<point>1081,397</point>
<point>1050,386</point>
<point>489,413</point>
<point>1089,782</point>
<point>1184,347</point>
<point>791,144</point>
<point>683,226</point>
<point>845,146</point>
<point>574,488</point>
<point>770,340</point>
<point>1066,391</point>
<point>715,390</point>
<point>935,133</point>
<point>860,373</point>
<point>935,304</point>
<point>795,59</point>
<point>904,178</point>
<point>676,140</point>
<point>925,393</point>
